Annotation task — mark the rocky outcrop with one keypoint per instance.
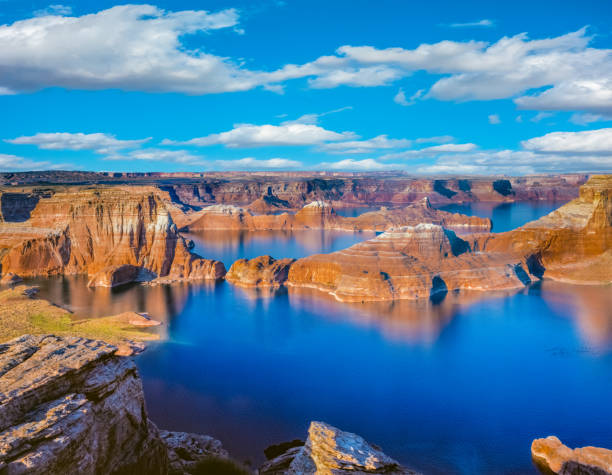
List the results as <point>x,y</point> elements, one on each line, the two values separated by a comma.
<point>321,215</point>
<point>330,451</point>
<point>551,456</point>
<point>572,244</point>
<point>70,405</point>
<point>262,271</point>
<point>186,450</point>
<point>10,279</point>
<point>407,263</point>
<point>113,234</point>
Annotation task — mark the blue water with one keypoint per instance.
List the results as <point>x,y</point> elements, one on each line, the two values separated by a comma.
<point>460,387</point>
<point>505,216</point>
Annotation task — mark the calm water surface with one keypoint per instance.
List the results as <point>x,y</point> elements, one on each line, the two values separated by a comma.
<point>458,387</point>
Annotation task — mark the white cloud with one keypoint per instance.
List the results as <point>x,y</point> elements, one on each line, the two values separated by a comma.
<point>540,116</point>
<point>257,164</point>
<point>130,47</point>
<point>380,142</point>
<point>61,10</point>
<point>484,23</point>
<point>349,164</point>
<point>10,163</point>
<point>313,118</point>
<point>596,142</point>
<point>400,97</point>
<point>430,151</point>
<point>249,135</point>
<point>588,118</point>
<point>159,155</point>
<point>99,142</point>
<point>494,119</point>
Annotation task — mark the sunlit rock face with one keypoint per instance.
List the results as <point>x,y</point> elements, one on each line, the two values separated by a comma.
<point>262,271</point>
<point>321,215</point>
<point>551,456</point>
<point>572,244</point>
<point>70,405</point>
<point>407,263</point>
<point>330,451</point>
<point>98,231</point>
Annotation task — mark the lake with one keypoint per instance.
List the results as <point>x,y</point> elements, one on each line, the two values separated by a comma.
<point>460,387</point>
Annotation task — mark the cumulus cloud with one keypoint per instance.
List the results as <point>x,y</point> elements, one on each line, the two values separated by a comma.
<point>250,163</point>
<point>494,119</point>
<point>557,152</point>
<point>99,142</point>
<point>597,142</point>
<point>11,163</point>
<point>380,142</point>
<point>249,135</point>
<point>430,151</point>
<point>349,164</point>
<point>160,155</point>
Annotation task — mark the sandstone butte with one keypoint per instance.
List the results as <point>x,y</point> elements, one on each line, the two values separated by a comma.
<point>330,451</point>
<point>262,271</point>
<point>573,244</point>
<point>321,215</point>
<point>551,456</point>
<point>113,234</point>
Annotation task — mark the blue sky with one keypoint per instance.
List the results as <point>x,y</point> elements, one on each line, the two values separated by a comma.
<point>438,87</point>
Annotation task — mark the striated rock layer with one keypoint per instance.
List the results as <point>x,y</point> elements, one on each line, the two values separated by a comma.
<point>330,451</point>
<point>551,456</point>
<point>321,215</point>
<point>407,263</point>
<point>69,405</point>
<point>113,234</point>
<point>572,244</point>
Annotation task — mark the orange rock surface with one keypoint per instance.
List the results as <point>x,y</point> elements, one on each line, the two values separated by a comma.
<point>97,231</point>
<point>262,271</point>
<point>571,244</point>
<point>321,215</point>
<point>552,456</point>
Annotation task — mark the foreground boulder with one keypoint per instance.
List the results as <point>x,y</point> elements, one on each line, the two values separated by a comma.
<point>550,455</point>
<point>186,450</point>
<point>70,405</point>
<point>330,451</point>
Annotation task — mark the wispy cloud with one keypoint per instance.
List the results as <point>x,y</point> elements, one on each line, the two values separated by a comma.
<point>60,10</point>
<point>98,142</point>
<point>250,163</point>
<point>472,24</point>
<point>494,119</point>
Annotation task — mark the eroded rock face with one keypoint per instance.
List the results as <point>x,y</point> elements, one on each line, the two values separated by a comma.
<point>330,451</point>
<point>262,271</point>
<point>551,456</point>
<point>572,244</point>
<point>10,279</point>
<point>321,215</point>
<point>70,405</point>
<point>114,234</point>
<point>407,263</point>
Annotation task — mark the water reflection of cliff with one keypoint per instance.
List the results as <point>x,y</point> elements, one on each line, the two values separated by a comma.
<point>226,245</point>
<point>161,302</point>
<point>412,321</point>
<point>590,306</point>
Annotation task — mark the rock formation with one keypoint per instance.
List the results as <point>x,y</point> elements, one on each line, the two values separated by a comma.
<point>330,451</point>
<point>262,271</point>
<point>571,244</point>
<point>407,263</point>
<point>551,456</point>
<point>321,215</point>
<point>10,279</point>
<point>113,234</point>
<point>69,405</point>
<point>185,450</point>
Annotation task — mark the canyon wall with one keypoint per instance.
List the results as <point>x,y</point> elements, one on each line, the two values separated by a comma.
<point>321,215</point>
<point>99,231</point>
<point>295,189</point>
